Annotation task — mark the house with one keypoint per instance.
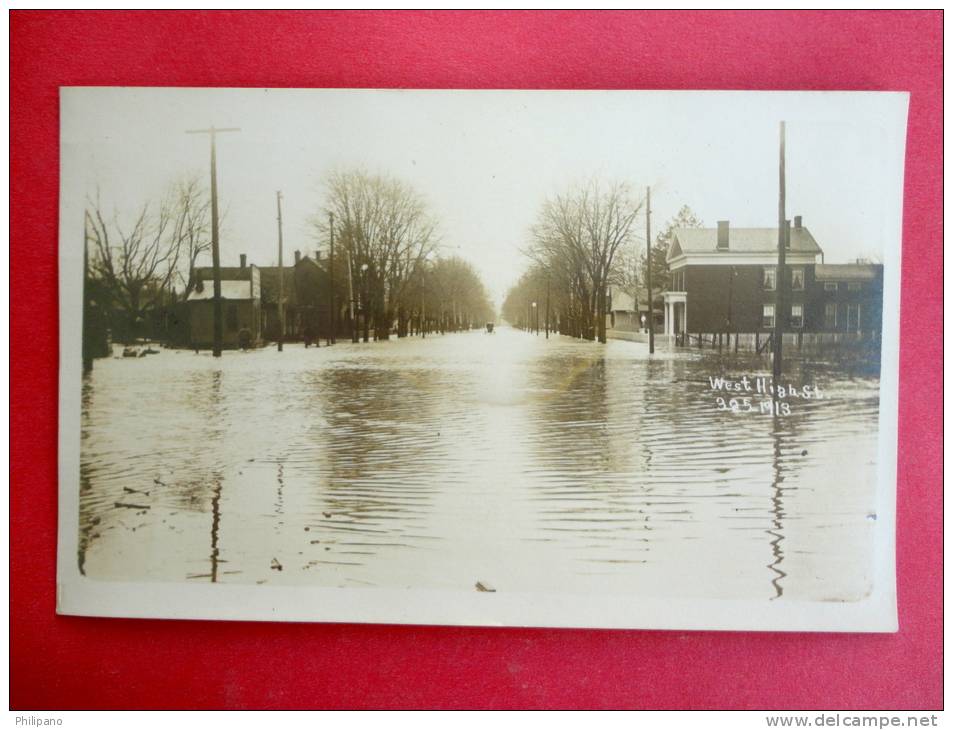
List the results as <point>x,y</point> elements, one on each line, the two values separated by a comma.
<point>306,294</point>
<point>725,280</point>
<point>847,298</point>
<point>241,306</point>
<point>624,315</point>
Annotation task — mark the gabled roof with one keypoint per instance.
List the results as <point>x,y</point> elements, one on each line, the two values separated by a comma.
<point>740,240</point>
<point>231,289</point>
<point>269,284</point>
<point>228,273</point>
<point>847,272</point>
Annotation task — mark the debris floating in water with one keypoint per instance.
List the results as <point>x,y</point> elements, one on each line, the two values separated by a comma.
<point>484,587</point>
<point>132,506</point>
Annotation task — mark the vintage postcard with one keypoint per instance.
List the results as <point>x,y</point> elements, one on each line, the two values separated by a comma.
<point>546,358</point>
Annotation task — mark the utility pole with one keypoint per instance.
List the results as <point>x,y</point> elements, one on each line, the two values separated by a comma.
<point>547,304</point>
<point>281,283</point>
<point>87,335</point>
<point>350,289</point>
<point>216,266</point>
<point>334,314</point>
<point>779,275</point>
<point>648,268</point>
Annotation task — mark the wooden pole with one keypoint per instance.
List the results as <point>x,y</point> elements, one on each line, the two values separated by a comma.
<point>87,335</point>
<point>281,282</point>
<point>350,287</point>
<point>334,313</point>
<point>648,268</point>
<point>779,275</point>
<point>547,305</point>
<point>216,267</point>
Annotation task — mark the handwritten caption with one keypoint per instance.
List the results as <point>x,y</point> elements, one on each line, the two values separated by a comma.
<point>760,395</point>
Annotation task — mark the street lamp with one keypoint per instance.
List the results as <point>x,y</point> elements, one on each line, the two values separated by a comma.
<point>423,294</point>
<point>364,297</point>
<point>535,321</point>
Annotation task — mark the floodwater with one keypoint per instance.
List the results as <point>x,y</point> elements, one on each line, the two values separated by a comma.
<point>505,459</point>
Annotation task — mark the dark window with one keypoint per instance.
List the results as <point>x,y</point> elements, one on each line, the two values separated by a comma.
<point>797,279</point>
<point>853,317</point>
<point>853,286</point>
<point>770,279</point>
<point>797,316</point>
<point>830,286</point>
<point>767,316</point>
<point>830,316</point>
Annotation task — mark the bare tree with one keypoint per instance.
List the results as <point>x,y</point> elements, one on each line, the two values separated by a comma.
<point>193,229</point>
<point>577,240</point>
<point>136,262</point>
<point>384,228</point>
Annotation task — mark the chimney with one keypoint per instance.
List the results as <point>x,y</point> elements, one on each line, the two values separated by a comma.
<point>243,259</point>
<point>297,257</point>
<point>722,235</point>
<point>797,222</point>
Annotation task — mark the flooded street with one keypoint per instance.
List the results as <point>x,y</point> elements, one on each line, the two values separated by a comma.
<point>523,464</point>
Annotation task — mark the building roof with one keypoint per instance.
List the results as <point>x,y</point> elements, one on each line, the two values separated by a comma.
<point>269,284</point>
<point>231,289</point>
<point>231,273</point>
<point>845,272</point>
<point>740,240</point>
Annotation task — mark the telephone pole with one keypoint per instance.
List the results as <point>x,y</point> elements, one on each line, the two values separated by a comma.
<point>547,304</point>
<point>333,314</point>
<point>350,288</point>
<point>281,282</point>
<point>87,349</point>
<point>648,269</point>
<point>779,275</point>
<point>216,267</point>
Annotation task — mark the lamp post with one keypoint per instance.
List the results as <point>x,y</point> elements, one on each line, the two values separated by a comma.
<point>364,297</point>
<point>547,305</point>
<point>423,294</point>
<point>534,323</point>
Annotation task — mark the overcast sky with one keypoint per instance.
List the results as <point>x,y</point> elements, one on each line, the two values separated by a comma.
<point>485,160</point>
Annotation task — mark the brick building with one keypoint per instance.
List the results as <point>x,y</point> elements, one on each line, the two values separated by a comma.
<point>725,280</point>
<point>241,306</point>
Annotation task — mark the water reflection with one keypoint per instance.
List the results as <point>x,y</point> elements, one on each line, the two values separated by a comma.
<point>505,459</point>
<point>777,510</point>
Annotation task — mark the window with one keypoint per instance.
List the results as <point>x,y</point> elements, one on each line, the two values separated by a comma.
<point>853,286</point>
<point>797,316</point>
<point>797,279</point>
<point>830,286</point>
<point>231,318</point>
<point>769,278</point>
<point>830,316</point>
<point>853,317</point>
<point>767,316</point>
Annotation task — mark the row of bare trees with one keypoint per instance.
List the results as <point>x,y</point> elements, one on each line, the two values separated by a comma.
<point>583,242</point>
<point>578,248</point>
<point>387,269</point>
<point>387,263</point>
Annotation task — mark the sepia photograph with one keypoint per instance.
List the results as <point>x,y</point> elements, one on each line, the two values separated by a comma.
<point>517,358</point>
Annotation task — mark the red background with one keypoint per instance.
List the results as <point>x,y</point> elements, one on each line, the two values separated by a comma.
<point>68,662</point>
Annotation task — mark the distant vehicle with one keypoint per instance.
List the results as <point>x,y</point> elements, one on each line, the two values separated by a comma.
<point>489,328</point>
